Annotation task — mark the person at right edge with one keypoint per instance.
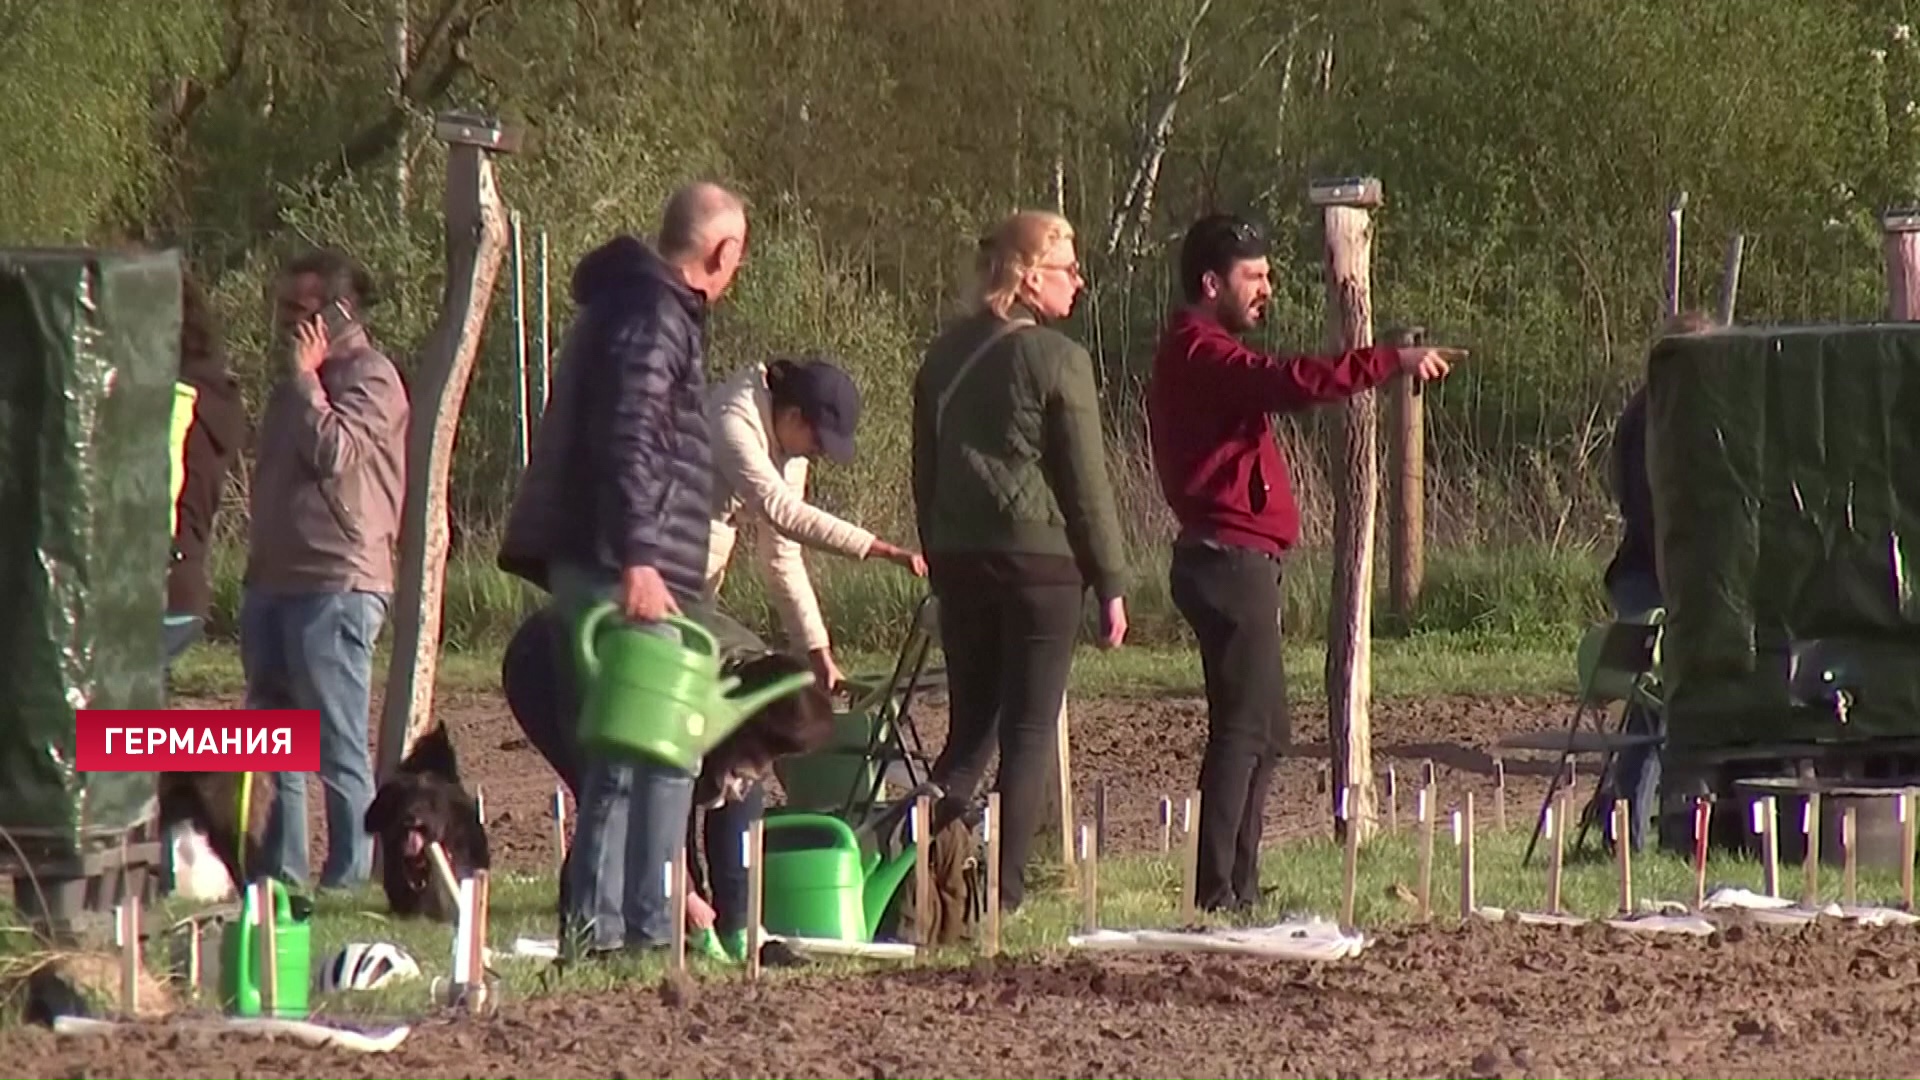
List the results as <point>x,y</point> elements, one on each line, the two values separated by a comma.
<point>1016,517</point>
<point>1209,405</point>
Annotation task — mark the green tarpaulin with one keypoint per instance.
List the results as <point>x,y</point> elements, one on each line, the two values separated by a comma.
<point>1785,466</point>
<point>89,351</point>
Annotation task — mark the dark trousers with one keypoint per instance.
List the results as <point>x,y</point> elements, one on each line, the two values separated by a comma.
<point>724,875</point>
<point>1009,650</point>
<point>1231,599</point>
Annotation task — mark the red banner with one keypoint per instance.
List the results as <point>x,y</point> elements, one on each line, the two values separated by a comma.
<point>197,740</point>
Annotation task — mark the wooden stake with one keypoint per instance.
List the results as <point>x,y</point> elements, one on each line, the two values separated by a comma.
<point>1557,825</point>
<point>753,844</point>
<point>266,937</point>
<point>1675,214</point>
<point>1063,781</point>
<point>1407,468</point>
<point>1463,836</point>
<point>1190,859</point>
<point>991,826</point>
<point>1100,814</point>
<point>443,871</point>
<point>1425,811</point>
<point>1769,811</point>
<point>1393,801</point>
<point>1900,228</point>
<point>1702,831</point>
<point>480,804</point>
<point>128,917</point>
<point>1500,795</point>
<point>677,894</point>
<point>1346,209</point>
<point>1810,862</point>
<point>194,942</point>
<point>476,990</point>
<point>476,246</point>
<point>560,826</point>
<point>1730,277</point>
<point>1850,866</point>
<point>923,874</point>
<point>1623,852</point>
<point>1089,880</point>
<point>1351,871</point>
<point>1907,845</point>
<point>1166,823</point>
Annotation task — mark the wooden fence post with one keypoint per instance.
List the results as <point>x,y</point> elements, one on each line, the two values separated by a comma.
<point>1407,467</point>
<point>476,246</point>
<point>1676,214</point>
<point>1347,205</point>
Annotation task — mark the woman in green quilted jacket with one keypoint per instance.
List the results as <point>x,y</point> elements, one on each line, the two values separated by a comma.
<point>1017,520</point>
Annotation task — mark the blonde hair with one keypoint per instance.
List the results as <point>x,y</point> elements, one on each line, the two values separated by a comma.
<point>1015,246</point>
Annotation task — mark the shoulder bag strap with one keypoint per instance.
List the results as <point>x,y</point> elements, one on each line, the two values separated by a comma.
<point>946,396</point>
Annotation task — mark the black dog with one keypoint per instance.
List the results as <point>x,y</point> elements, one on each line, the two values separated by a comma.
<point>424,803</point>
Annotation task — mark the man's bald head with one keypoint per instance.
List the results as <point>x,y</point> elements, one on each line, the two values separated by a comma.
<point>697,217</point>
<point>703,232</point>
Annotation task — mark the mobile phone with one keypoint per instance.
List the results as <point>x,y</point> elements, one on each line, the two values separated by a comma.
<point>335,318</point>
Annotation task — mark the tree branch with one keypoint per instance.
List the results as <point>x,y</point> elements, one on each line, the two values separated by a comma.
<point>439,60</point>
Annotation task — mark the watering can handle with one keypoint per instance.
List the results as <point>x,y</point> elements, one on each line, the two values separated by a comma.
<point>692,635</point>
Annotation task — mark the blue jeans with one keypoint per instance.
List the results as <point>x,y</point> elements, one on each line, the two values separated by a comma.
<point>305,650</point>
<point>631,822</point>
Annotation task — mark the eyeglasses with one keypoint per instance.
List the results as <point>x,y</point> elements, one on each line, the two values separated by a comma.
<point>1072,269</point>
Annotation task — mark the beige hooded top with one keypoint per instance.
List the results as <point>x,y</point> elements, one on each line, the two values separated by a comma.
<point>754,480</point>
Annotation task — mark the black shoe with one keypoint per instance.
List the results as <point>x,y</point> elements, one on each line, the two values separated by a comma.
<point>780,954</point>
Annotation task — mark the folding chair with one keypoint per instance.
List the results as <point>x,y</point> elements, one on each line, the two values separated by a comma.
<point>877,742</point>
<point>1617,662</point>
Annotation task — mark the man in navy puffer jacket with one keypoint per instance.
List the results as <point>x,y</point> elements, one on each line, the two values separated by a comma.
<point>615,506</point>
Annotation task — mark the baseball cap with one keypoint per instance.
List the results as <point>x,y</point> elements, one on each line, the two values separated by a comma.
<point>830,401</point>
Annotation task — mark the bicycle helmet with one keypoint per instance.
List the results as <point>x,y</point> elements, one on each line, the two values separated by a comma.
<point>361,966</point>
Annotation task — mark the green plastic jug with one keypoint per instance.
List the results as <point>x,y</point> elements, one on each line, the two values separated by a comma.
<point>240,973</point>
<point>661,696</point>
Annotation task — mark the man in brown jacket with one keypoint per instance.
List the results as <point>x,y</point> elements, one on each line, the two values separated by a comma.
<point>328,480</point>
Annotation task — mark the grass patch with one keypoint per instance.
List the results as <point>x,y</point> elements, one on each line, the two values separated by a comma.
<point>1137,892</point>
<point>1510,594</point>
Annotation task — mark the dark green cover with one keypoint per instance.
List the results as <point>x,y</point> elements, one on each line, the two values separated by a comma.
<point>89,351</point>
<point>1785,467</point>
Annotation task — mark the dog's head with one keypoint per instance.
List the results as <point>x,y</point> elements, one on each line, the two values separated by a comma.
<point>423,802</point>
<point>797,724</point>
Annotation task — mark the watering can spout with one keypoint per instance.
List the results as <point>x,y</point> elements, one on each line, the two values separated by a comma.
<point>731,710</point>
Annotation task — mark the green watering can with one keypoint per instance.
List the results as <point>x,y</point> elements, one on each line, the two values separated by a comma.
<point>820,882</point>
<point>661,696</point>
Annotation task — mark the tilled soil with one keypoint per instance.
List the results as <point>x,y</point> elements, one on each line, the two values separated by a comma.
<point>1483,1001</point>
<point>1139,749</point>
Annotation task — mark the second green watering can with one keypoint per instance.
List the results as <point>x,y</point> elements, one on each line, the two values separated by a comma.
<point>657,691</point>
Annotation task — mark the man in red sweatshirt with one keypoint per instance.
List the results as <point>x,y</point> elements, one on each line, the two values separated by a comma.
<point>1208,409</point>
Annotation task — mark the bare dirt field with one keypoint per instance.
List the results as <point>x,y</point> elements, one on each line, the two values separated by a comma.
<point>1477,1001</point>
<point>1488,1001</point>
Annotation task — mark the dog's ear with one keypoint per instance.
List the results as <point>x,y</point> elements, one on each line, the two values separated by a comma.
<point>432,755</point>
<point>380,813</point>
